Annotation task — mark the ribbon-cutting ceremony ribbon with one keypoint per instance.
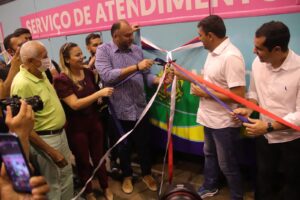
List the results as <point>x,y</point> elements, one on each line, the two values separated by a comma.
<point>123,137</point>
<point>147,45</point>
<point>224,105</point>
<point>170,123</point>
<point>235,97</point>
<point>194,43</point>
<point>226,92</point>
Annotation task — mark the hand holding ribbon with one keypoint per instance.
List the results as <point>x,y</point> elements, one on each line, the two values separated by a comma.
<point>145,64</point>
<point>197,80</point>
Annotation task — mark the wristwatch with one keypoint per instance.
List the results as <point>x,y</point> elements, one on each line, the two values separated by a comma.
<point>270,127</point>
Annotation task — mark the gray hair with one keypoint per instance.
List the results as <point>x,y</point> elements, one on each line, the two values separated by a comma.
<point>29,50</point>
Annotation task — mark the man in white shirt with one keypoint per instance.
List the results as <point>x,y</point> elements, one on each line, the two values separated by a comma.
<point>225,68</point>
<point>275,86</point>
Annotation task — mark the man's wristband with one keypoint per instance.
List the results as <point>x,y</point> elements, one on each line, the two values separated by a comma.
<point>270,127</point>
<point>137,67</point>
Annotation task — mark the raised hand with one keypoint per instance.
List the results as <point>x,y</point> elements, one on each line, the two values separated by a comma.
<point>135,27</point>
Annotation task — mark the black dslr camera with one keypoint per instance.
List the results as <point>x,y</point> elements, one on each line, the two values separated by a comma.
<point>15,103</point>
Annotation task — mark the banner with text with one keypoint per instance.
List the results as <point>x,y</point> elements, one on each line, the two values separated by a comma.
<point>90,15</point>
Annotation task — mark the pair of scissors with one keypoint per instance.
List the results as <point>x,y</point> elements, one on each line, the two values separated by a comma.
<point>161,62</point>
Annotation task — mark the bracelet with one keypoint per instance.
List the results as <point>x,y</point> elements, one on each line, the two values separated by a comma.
<point>137,67</point>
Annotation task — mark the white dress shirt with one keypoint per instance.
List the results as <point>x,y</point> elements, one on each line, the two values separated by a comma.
<point>278,91</point>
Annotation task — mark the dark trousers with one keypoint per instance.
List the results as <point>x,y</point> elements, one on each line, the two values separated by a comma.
<point>138,139</point>
<point>278,170</point>
<point>112,137</point>
<point>86,139</point>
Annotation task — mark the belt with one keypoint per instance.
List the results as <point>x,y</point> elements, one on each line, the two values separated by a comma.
<point>50,132</point>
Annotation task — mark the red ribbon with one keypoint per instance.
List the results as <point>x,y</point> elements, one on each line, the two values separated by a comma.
<point>170,145</point>
<point>236,98</point>
<point>170,154</point>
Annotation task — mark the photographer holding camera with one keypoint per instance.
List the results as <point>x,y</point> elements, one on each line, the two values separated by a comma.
<point>15,103</point>
<point>6,84</point>
<point>22,125</point>
<point>50,152</point>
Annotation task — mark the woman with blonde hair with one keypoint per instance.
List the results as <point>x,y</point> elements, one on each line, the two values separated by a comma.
<point>77,89</point>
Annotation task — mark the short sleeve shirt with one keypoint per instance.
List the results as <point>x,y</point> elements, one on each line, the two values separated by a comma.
<point>52,116</point>
<point>225,68</point>
<point>65,87</point>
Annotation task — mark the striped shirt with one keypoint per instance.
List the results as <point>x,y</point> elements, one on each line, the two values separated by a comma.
<point>129,98</point>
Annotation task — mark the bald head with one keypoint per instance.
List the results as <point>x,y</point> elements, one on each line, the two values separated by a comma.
<point>122,34</point>
<point>117,26</point>
<point>32,50</point>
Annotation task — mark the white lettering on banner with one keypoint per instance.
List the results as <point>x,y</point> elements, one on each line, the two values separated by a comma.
<point>200,5</point>
<point>82,17</point>
<point>78,17</point>
<point>87,15</point>
<point>46,23</point>
<point>38,25</point>
<point>75,18</point>
<point>56,26</point>
<point>161,6</point>
<point>100,14</point>
<point>28,25</point>
<point>147,11</point>
<point>65,15</point>
<point>228,2</point>
<point>214,3</point>
<point>120,9</point>
<point>188,5</point>
<point>178,5</point>
<point>132,6</point>
<point>109,4</point>
<point>32,22</point>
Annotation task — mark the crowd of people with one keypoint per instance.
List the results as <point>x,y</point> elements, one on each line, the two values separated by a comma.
<point>89,102</point>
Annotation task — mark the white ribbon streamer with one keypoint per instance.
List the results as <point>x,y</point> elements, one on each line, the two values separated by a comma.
<point>152,45</point>
<point>189,46</point>
<point>171,119</point>
<point>123,137</point>
<point>184,47</point>
<point>172,109</point>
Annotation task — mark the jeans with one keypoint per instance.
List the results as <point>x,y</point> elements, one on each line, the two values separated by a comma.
<point>220,154</point>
